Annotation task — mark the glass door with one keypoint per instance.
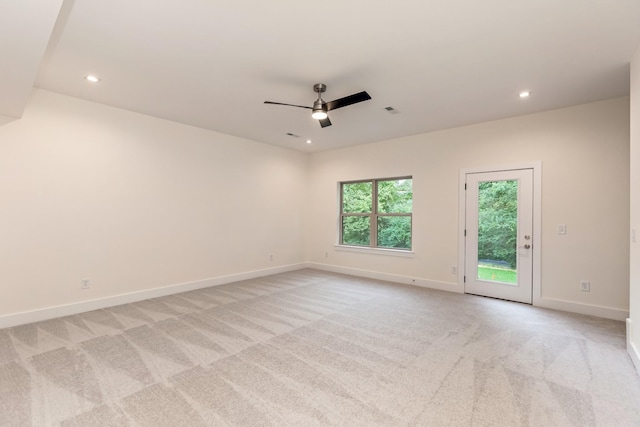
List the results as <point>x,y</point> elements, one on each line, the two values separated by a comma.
<point>499,230</point>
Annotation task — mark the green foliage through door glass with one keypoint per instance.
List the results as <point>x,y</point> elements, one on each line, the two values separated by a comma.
<point>498,222</point>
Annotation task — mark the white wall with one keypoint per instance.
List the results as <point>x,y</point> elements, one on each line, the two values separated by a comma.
<point>135,203</point>
<point>584,152</point>
<point>633,332</point>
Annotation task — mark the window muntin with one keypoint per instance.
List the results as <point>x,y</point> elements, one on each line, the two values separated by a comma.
<point>376,213</point>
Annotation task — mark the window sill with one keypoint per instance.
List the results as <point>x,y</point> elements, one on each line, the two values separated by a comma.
<point>375,251</point>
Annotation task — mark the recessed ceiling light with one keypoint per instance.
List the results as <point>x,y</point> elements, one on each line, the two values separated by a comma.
<point>308,141</point>
<point>92,78</point>
<point>525,94</point>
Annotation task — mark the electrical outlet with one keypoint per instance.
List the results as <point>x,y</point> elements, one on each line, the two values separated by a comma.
<point>454,269</point>
<point>585,286</point>
<point>326,254</point>
<point>562,229</point>
<point>271,257</point>
<point>84,284</point>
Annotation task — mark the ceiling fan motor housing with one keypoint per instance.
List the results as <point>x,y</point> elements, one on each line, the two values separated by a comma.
<point>319,105</point>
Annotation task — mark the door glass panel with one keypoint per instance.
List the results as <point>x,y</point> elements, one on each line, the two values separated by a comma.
<point>498,231</point>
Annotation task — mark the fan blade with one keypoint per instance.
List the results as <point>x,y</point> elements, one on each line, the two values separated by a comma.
<point>325,122</point>
<point>348,100</point>
<point>289,105</point>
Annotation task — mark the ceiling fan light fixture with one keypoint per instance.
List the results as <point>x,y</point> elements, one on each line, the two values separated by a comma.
<point>319,114</point>
<point>319,110</point>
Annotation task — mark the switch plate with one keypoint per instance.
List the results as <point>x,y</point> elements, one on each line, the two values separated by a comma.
<point>585,286</point>
<point>84,284</point>
<point>562,229</point>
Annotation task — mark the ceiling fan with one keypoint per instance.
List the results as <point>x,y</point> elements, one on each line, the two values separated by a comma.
<point>321,108</point>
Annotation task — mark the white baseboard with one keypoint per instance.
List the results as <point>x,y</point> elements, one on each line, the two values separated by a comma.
<point>95,304</point>
<point>632,349</point>
<point>442,286</point>
<point>590,310</point>
<point>555,304</point>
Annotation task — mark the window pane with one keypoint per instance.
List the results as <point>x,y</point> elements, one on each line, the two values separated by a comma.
<point>394,232</point>
<point>395,196</point>
<point>357,197</point>
<point>355,230</point>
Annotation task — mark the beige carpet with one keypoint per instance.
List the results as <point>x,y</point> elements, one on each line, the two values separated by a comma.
<point>314,348</point>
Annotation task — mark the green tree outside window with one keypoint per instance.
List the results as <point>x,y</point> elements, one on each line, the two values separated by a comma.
<point>377,213</point>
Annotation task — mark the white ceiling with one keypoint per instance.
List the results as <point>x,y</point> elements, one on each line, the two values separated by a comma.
<point>212,63</point>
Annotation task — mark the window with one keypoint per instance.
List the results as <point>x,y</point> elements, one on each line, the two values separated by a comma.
<point>376,213</point>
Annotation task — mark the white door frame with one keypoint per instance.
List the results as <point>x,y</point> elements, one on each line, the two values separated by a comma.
<point>537,220</point>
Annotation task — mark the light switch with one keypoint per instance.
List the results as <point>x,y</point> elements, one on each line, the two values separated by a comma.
<point>562,229</point>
